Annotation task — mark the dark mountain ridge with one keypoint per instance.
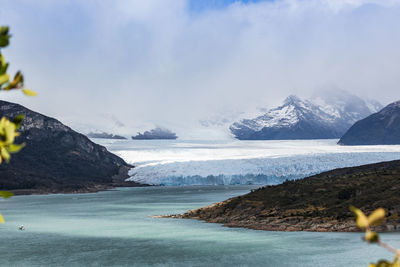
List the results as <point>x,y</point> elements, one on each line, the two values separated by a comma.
<point>381,128</point>
<point>57,159</point>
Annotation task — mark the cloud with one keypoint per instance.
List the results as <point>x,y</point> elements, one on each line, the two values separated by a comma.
<point>164,63</point>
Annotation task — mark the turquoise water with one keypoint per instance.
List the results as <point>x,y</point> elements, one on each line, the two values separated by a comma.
<point>113,228</point>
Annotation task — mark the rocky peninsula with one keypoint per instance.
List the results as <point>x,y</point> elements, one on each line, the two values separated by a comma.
<point>316,203</point>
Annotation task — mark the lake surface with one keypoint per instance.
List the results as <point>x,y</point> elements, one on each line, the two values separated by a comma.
<point>113,228</point>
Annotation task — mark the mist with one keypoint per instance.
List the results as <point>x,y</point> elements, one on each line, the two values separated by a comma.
<point>128,66</point>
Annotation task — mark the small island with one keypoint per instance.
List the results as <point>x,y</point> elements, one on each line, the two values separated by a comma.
<point>105,136</point>
<point>157,133</point>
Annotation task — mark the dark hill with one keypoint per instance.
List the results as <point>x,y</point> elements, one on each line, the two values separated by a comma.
<point>381,128</point>
<point>157,133</point>
<point>316,203</point>
<point>57,159</point>
<point>104,135</point>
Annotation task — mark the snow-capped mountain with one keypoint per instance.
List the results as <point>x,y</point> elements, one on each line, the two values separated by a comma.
<point>326,116</point>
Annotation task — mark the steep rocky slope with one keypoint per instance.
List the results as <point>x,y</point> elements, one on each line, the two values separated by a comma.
<point>381,128</point>
<point>57,159</point>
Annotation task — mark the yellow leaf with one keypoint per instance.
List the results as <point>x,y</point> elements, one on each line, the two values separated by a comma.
<point>4,78</point>
<point>4,153</point>
<point>6,194</point>
<point>14,148</point>
<point>18,78</point>
<point>29,92</point>
<point>17,82</point>
<point>9,129</point>
<point>361,219</point>
<point>396,260</point>
<point>1,218</point>
<point>2,60</point>
<point>3,122</point>
<point>376,217</point>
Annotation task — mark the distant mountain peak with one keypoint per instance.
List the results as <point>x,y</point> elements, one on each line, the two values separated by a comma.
<point>292,99</point>
<point>326,116</point>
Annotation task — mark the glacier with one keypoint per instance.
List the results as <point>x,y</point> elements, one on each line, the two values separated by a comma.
<point>250,171</point>
<point>184,163</point>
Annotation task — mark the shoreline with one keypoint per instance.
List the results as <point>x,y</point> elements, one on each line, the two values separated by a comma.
<point>281,226</point>
<point>286,224</point>
<point>117,180</point>
<point>85,189</point>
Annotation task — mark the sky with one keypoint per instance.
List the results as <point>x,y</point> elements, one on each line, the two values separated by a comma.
<point>129,65</point>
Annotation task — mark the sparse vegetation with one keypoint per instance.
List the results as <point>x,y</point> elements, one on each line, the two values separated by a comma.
<point>8,128</point>
<point>317,203</point>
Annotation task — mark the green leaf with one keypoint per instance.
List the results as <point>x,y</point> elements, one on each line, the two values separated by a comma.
<point>6,194</point>
<point>18,120</point>
<point>29,92</point>
<point>1,218</point>
<point>4,36</point>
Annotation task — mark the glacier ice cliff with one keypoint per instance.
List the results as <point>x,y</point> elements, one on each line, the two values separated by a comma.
<point>251,171</point>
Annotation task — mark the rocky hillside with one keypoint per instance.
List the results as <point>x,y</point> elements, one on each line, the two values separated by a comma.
<point>381,128</point>
<point>316,203</point>
<point>57,159</point>
<point>327,116</point>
